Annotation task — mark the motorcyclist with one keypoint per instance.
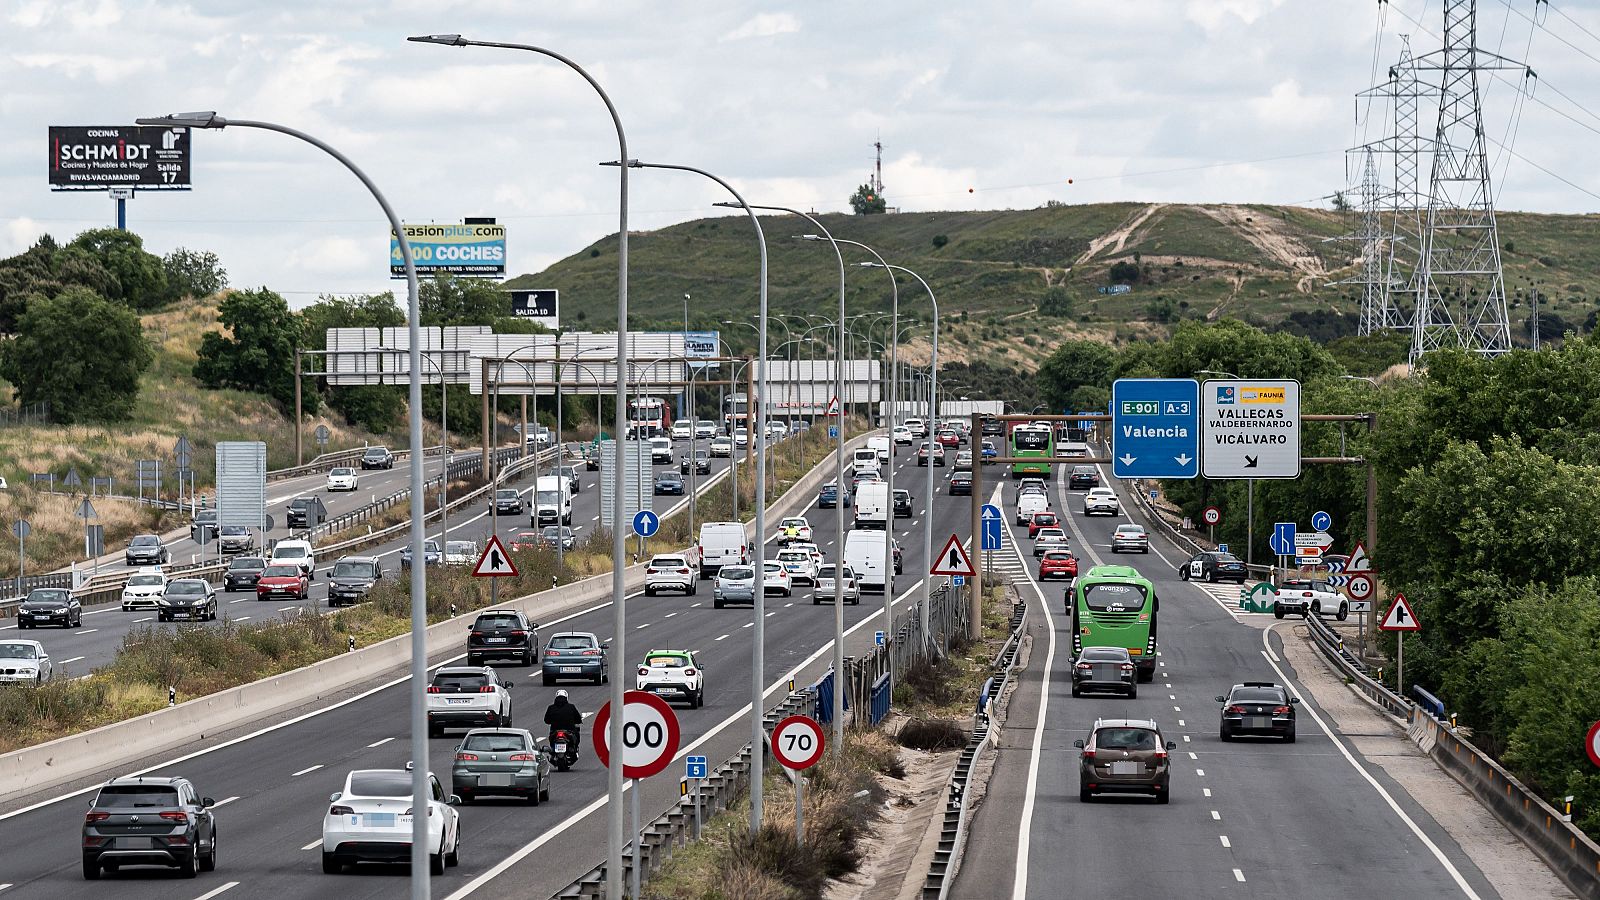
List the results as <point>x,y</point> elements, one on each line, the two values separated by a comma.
<point>561,714</point>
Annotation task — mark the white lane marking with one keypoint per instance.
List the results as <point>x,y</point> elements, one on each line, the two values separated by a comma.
<point>1186,739</point>
<point>1177,709</point>
<point>85,631</point>
<point>1180,724</point>
<point>244,618</point>
<point>1201,773</point>
<point>1172,696</point>
<point>787,605</point>
<point>1238,875</point>
<point>380,742</point>
<point>747,625</point>
<point>1270,655</point>
<point>1207,791</point>
<point>645,625</point>
<point>693,605</point>
<point>287,608</point>
<point>313,845</point>
<point>669,615</point>
<point>240,600</point>
<point>771,614</point>
<point>1216,815</point>
<point>145,619</point>
<point>595,519</point>
<point>724,637</point>
<point>1225,841</point>
<point>223,802</point>
<point>1193,755</point>
<point>1455,874</point>
<point>72,660</point>
<point>4,886</point>
<point>305,771</point>
<point>215,891</point>
<point>1019,890</point>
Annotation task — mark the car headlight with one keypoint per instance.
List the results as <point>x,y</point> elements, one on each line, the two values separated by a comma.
<point>27,671</point>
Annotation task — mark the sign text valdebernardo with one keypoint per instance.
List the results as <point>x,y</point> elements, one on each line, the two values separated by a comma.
<point>1251,425</point>
<point>452,248</point>
<point>96,157</point>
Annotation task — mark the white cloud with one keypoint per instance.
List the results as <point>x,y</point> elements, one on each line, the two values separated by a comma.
<point>764,25</point>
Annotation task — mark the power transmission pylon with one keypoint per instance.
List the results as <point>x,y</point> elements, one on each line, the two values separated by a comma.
<point>1405,207</point>
<point>1374,297</point>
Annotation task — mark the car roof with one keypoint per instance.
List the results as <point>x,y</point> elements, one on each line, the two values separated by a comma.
<point>681,653</point>
<point>34,644</point>
<point>586,634</point>
<point>172,780</point>
<point>1129,526</point>
<point>462,670</point>
<point>365,559</point>
<point>1126,723</point>
<point>189,581</point>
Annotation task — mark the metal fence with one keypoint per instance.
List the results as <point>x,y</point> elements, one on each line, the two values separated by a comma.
<point>32,414</point>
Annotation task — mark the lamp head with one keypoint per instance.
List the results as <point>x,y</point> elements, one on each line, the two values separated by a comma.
<point>449,40</point>
<point>186,120</point>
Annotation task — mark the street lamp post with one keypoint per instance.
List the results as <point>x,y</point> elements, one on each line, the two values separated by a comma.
<point>614,816</point>
<point>419,609</point>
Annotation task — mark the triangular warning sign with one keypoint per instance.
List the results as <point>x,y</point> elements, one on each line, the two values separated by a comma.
<point>1400,617</point>
<point>833,407</point>
<point>1359,561</point>
<point>495,561</point>
<point>953,560</point>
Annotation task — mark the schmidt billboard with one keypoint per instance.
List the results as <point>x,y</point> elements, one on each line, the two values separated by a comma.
<point>97,157</point>
<point>467,249</point>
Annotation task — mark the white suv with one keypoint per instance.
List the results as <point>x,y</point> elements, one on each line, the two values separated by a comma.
<point>671,573</point>
<point>800,565</point>
<point>467,697</point>
<point>144,590</point>
<point>673,675</point>
<point>371,820</point>
<point>1101,500</point>
<point>682,430</point>
<point>1310,596</point>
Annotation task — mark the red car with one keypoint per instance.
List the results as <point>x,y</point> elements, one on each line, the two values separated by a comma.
<point>1057,564</point>
<point>282,582</point>
<point>1041,520</point>
<point>949,439</point>
<point>525,540</point>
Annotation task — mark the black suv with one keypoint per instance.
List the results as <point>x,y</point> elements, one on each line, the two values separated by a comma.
<point>377,458</point>
<point>149,821</point>
<point>352,579</point>
<point>992,427</point>
<point>1258,707</point>
<point>508,501</point>
<point>1083,477</point>
<point>701,460</point>
<point>902,503</point>
<point>50,606</point>
<point>242,573</point>
<point>305,512</point>
<point>502,633</point>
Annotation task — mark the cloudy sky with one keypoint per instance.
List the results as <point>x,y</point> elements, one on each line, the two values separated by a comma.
<point>980,104</point>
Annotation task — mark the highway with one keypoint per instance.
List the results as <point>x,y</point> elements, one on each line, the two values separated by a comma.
<point>1249,818</point>
<point>78,651</point>
<point>273,785</point>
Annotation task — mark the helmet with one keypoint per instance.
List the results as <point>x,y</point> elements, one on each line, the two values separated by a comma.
<point>561,694</point>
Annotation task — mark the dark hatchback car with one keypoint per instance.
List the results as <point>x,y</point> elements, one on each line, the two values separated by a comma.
<point>1213,566</point>
<point>377,458</point>
<point>508,501</point>
<point>669,483</point>
<point>1125,756</point>
<point>352,579</point>
<point>961,484</point>
<point>242,573</point>
<point>1083,478</point>
<point>701,461</point>
<point>149,821</point>
<point>203,526</point>
<point>432,553</point>
<point>502,634</point>
<point>1107,669</point>
<point>146,550</point>
<point>575,654</point>
<point>1258,707</point>
<point>558,535</point>
<point>828,496</point>
<point>50,606</point>
<point>993,427</point>
<point>305,512</point>
<point>902,504</point>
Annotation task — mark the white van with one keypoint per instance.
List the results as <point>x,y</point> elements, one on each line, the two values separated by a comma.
<point>1030,503</point>
<point>872,505</point>
<point>881,445</point>
<point>721,544</point>
<point>295,552</point>
<point>864,554</point>
<point>864,459</point>
<point>552,501</point>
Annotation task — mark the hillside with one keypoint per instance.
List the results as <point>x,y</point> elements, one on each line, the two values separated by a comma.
<point>1265,264</point>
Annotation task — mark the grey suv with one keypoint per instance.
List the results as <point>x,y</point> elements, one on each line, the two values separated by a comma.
<point>149,821</point>
<point>1125,756</point>
<point>146,550</point>
<point>352,579</point>
<point>377,458</point>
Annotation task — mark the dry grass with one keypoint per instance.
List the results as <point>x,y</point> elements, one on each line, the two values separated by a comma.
<point>56,538</point>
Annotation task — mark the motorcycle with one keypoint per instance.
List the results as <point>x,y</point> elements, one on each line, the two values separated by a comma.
<point>563,748</point>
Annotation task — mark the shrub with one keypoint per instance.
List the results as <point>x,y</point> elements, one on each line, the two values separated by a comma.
<point>1123,272</point>
<point>939,240</point>
<point>932,734</point>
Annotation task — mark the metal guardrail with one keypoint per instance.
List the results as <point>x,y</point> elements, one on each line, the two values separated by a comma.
<point>953,831</point>
<point>1332,646</point>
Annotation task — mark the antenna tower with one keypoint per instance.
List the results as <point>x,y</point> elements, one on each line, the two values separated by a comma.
<point>877,169</point>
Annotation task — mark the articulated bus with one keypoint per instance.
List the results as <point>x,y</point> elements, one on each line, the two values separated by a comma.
<point>1115,606</point>
<point>649,416</point>
<point>1032,439</point>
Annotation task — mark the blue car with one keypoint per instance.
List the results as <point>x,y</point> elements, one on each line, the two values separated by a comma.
<point>828,497</point>
<point>431,554</point>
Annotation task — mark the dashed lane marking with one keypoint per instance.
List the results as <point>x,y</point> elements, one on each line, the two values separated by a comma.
<point>382,741</point>
<point>305,771</point>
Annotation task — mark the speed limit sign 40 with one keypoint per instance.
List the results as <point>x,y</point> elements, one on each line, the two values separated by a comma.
<point>649,734</point>
<point>797,742</point>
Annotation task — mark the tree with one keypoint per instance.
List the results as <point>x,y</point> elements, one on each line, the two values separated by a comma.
<point>375,407</point>
<point>1229,345</point>
<point>1371,354</point>
<point>1341,202</point>
<point>142,282</point>
<point>80,353</point>
<point>1074,365</point>
<point>446,300</point>
<point>1123,272</point>
<point>1056,301</point>
<point>259,356</point>
<point>193,274</point>
<point>865,201</point>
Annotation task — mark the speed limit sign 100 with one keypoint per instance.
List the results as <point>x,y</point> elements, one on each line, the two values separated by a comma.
<point>797,742</point>
<point>649,734</point>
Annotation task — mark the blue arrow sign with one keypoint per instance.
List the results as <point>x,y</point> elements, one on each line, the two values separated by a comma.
<point>695,767</point>
<point>833,432</point>
<point>1155,428</point>
<point>991,520</point>
<point>646,523</point>
<point>1283,538</point>
<point>877,638</point>
<point>1222,548</point>
<point>1321,521</point>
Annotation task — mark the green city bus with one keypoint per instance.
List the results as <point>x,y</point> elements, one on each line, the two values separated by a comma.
<point>1115,606</point>
<point>1033,439</point>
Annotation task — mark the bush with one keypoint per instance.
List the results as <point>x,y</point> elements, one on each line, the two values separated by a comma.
<point>932,734</point>
<point>1123,272</point>
<point>1055,301</point>
<point>939,240</point>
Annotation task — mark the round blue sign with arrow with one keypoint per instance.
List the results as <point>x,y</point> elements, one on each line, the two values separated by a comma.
<point>1321,521</point>
<point>646,523</point>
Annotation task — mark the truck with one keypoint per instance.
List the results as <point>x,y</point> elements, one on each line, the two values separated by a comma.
<point>721,544</point>
<point>864,554</point>
<point>552,501</point>
<point>872,505</point>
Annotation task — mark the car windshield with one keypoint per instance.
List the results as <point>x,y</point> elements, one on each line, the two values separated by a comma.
<point>666,661</point>
<point>1130,530</point>
<point>1082,470</point>
<point>460,682</point>
<point>796,523</point>
<point>572,642</point>
<point>548,498</point>
<point>231,530</point>
<point>145,580</point>
<point>354,570</point>
<point>667,477</point>
<point>736,573</point>
<point>459,548</point>
<point>246,562</point>
<point>667,562</point>
<point>771,567</point>
<point>136,796</point>
<point>186,587</point>
<point>340,473</point>
<point>793,555</point>
<point>145,540</point>
<point>1225,558</point>
<point>497,620</point>
<point>1301,584</point>
<point>376,452</point>
<point>507,494</point>
<point>288,552</point>
<point>1258,695</point>
<point>210,516</point>
<point>495,743</point>
<point>48,595</point>
<point>554,532</point>
<point>1044,518</point>
<point>1105,654</point>
<point>1113,596</point>
<point>525,537</point>
<point>1058,555</point>
<point>1126,739</point>
<point>17,651</point>
<point>280,572</point>
<point>381,784</point>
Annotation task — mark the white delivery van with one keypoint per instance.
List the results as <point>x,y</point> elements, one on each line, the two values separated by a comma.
<point>1030,503</point>
<point>295,552</point>
<point>872,505</point>
<point>864,459</point>
<point>552,500</point>
<point>881,445</point>
<point>721,544</point>
<point>864,554</point>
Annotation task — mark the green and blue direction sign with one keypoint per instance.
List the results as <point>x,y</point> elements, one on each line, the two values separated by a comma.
<point>1155,428</point>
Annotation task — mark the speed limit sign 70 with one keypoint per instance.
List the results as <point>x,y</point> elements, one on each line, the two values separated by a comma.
<point>1211,515</point>
<point>797,742</point>
<point>649,734</point>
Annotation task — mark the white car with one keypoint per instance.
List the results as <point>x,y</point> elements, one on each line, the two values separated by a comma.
<point>682,430</point>
<point>794,529</point>
<point>671,573</point>
<point>919,428</point>
<point>673,674</point>
<point>1310,596</point>
<point>144,590</point>
<point>1101,501</point>
<point>741,436</point>
<point>880,445</point>
<point>721,446</point>
<point>812,549</point>
<point>904,435</point>
<point>460,553</point>
<point>825,586</point>
<point>297,553</point>
<point>467,697</point>
<point>370,821</point>
<point>1028,503</point>
<point>24,662</point>
<point>800,565</point>
<point>342,479</point>
<point>660,451</point>
<point>777,431</point>
<point>705,428</point>
<point>776,579</point>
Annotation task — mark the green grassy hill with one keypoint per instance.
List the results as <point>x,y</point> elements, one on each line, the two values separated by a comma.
<point>1264,264</point>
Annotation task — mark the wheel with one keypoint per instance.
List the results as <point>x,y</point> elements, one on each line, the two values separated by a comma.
<point>161,617</point>
<point>208,863</point>
<point>505,719</point>
<point>91,868</point>
<point>435,731</point>
<point>1084,796</point>
<point>474,660</point>
<point>189,867</point>
<point>549,680</point>
<point>717,604</point>
<point>1164,797</point>
<point>1076,692</point>
<point>544,793</point>
<point>453,858</point>
<point>1344,611</point>
<point>649,591</point>
<point>1133,692</point>
<point>527,657</point>
<point>1224,736</point>
<point>1289,738</point>
<point>700,698</point>
<point>1183,574</point>
<point>435,864</point>
<point>533,796</point>
<point>1277,611</point>
<point>815,600</point>
<point>1316,610</point>
<point>605,676</point>
<point>466,796</point>
<point>694,589</point>
<point>1213,576</point>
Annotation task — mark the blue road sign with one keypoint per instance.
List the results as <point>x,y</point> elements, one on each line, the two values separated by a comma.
<point>695,767</point>
<point>958,580</point>
<point>991,521</point>
<point>1321,521</point>
<point>833,432</point>
<point>646,523</point>
<point>1283,538</point>
<point>1222,548</point>
<point>1155,428</point>
<point>877,638</point>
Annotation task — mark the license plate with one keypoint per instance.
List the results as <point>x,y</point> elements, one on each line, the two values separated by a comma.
<point>380,820</point>
<point>571,670</point>
<point>41,615</point>
<point>496,640</point>
<point>561,748</point>
<point>1258,722</point>
<point>495,780</point>
<point>135,843</point>
<point>1128,767</point>
<point>459,702</point>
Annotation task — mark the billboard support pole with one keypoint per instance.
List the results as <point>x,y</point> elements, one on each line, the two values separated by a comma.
<point>122,214</point>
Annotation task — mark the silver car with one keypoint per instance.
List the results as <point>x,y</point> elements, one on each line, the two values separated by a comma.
<point>24,662</point>
<point>826,587</point>
<point>735,584</point>
<point>501,762</point>
<point>1130,538</point>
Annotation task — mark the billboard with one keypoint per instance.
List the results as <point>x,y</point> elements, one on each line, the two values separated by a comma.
<point>96,157</point>
<point>701,345</point>
<point>465,249</point>
<point>543,305</point>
